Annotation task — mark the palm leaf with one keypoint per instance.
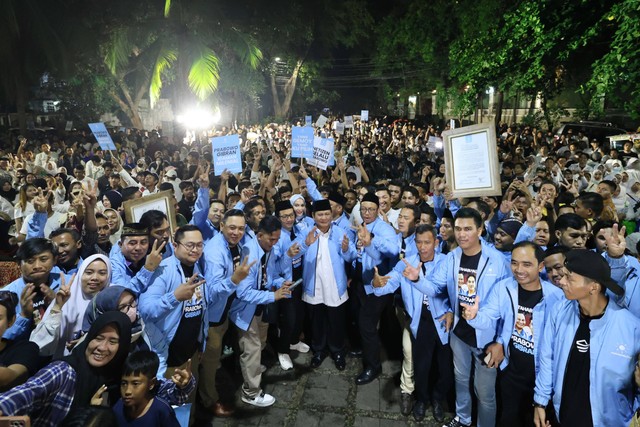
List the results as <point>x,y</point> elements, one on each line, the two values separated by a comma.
<point>166,58</point>
<point>167,8</point>
<point>245,47</point>
<point>204,73</point>
<point>118,49</point>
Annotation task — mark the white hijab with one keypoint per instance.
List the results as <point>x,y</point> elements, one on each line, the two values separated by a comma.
<point>73,310</point>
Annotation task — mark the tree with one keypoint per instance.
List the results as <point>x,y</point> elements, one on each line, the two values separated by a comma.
<point>183,46</point>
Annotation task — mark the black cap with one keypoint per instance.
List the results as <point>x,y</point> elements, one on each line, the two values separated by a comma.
<point>283,205</point>
<point>370,197</point>
<point>338,198</point>
<point>134,229</point>
<point>592,265</point>
<point>320,205</point>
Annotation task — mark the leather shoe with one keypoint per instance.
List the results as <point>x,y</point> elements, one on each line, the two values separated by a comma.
<point>317,359</point>
<point>405,403</point>
<point>340,361</point>
<point>356,353</point>
<point>222,410</point>
<point>419,411</point>
<point>368,375</point>
<point>438,411</point>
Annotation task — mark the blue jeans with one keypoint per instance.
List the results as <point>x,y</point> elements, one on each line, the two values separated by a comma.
<point>466,358</point>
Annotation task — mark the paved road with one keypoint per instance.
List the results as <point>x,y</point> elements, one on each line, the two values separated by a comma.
<point>325,397</point>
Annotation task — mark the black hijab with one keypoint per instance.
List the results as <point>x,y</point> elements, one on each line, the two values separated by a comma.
<point>89,378</point>
<point>9,195</point>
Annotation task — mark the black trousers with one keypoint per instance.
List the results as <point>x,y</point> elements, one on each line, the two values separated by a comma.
<point>516,395</point>
<point>371,308</point>
<point>328,328</point>
<point>290,320</point>
<point>425,346</point>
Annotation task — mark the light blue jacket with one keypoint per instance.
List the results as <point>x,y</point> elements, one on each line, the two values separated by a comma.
<point>200,215</point>
<point>413,294</point>
<point>217,258</point>
<point>22,327</point>
<point>249,295</point>
<point>502,306</point>
<point>492,268</point>
<point>626,271</point>
<point>281,248</point>
<point>342,221</point>
<point>614,345</point>
<point>381,253</point>
<point>338,258</point>
<point>410,248</point>
<point>122,275</point>
<point>160,309</point>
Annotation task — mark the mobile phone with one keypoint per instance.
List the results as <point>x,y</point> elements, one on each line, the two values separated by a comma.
<point>199,278</point>
<point>294,284</point>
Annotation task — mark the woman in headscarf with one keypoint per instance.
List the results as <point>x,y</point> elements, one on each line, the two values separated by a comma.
<point>596,177</point>
<point>119,298</point>
<point>62,322</point>
<point>115,225</point>
<point>300,209</point>
<point>50,394</point>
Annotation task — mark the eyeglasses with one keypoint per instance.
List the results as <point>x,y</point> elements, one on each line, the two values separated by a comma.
<point>124,308</point>
<point>368,210</point>
<point>191,246</point>
<point>288,216</point>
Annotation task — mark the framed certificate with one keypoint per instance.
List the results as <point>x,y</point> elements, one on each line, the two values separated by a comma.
<point>162,201</point>
<point>471,161</point>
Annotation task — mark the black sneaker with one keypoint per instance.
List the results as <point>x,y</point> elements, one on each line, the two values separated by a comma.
<point>455,423</point>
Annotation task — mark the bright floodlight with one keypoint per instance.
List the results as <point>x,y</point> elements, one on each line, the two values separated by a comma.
<point>198,119</point>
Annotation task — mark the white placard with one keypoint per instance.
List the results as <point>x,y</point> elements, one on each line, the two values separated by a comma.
<point>322,120</point>
<point>339,128</point>
<point>348,122</point>
<point>472,161</point>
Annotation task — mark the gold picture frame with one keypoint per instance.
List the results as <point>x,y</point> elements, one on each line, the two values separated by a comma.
<point>134,209</point>
<point>471,161</point>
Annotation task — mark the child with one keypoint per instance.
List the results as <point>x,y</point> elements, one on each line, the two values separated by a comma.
<point>138,406</point>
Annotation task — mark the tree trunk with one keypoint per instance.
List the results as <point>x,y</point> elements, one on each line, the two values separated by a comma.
<point>499,104</point>
<point>281,107</point>
<point>515,109</point>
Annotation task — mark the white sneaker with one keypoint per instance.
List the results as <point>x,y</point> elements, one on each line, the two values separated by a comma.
<point>263,369</point>
<point>285,361</point>
<point>262,400</point>
<point>300,347</point>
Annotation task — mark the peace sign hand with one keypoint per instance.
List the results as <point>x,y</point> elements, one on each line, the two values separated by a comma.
<point>616,243</point>
<point>41,201</point>
<point>154,258</point>
<point>534,214</point>
<point>242,271</point>
<point>64,292</point>
<point>185,291</point>
<point>97,399</point>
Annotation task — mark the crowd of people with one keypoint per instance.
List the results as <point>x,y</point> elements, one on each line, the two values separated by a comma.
<point>521,306</point>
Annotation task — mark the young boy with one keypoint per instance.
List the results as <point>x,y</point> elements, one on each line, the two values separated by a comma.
<point>138,406</point>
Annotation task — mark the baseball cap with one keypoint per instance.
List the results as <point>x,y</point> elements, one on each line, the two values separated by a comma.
<point>592,265</point>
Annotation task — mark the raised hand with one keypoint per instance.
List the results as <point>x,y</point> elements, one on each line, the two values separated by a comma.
<point>154,258</point>
<point>41,201</point>
<point>364,235</point>
<point>616,243</point>
<point>410,272</point>
<point>182,375</point>
<point>185,291</point>
<point>64,292</point>
<point>312,237</point>
<point>345,243</point>
<point>96,399</point>
<point>294,250</point>
<point>242,271</point>
<point>507,203</point>
<point>302,172</point>
<point>26,300</point>
<point>534,214</point>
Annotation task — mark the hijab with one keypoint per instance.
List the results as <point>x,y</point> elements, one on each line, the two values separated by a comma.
<point>89,378</point>
<point>9,195</point>
<point>105,301</point>
<point>74,309</point>
<point>115,237</point>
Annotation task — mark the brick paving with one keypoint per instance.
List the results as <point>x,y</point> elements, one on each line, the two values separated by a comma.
<point>324,397</point>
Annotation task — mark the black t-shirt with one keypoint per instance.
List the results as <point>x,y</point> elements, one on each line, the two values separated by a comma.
<point>25,353</point>
<point>521,343</point>
<point>467,290</point>
<point>186,208</point>
<point>185,341</point>
<point>575,406</point>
